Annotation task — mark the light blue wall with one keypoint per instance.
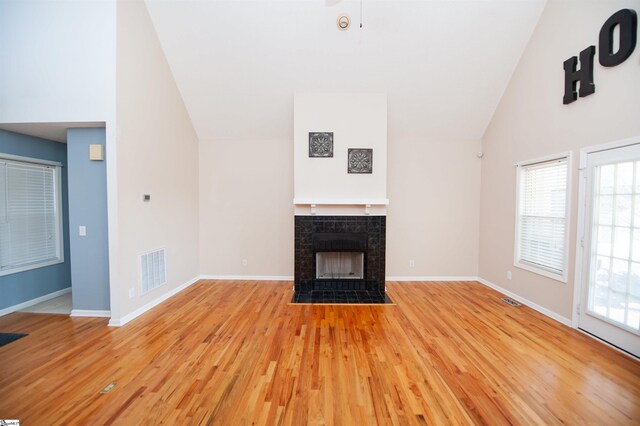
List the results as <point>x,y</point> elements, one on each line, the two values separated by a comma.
<point>27,285</point>
<point>88,207</point>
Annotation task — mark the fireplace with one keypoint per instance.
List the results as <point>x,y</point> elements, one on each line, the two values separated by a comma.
<point>340,256</point>
<point>340,199</point>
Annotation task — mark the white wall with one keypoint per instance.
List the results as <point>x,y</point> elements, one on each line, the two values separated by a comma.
<point>357,120</point>
<point>58,61</point>
<point>531,122</point>
<point>246,210</point>
<point>432,219</point>
<point>157,155</point>
<point>246,190</point>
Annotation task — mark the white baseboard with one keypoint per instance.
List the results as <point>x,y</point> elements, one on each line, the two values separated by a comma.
<point>544,311</point>
<point>247,277</point>
<point>90,313</point>
<point>432,278</point>
<point>118,322</point>
<point>35,301</point>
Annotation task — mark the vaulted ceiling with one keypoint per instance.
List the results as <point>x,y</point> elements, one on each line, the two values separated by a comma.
<point>443,64</point>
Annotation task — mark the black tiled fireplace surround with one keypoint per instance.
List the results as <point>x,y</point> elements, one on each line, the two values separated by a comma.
<point>340,233</point>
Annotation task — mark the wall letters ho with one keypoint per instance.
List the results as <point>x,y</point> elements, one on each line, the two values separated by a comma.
<point>627,22</point>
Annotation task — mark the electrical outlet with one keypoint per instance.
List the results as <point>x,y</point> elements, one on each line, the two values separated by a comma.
<point>82,231</point>
<point>412,263</point>
<point>132,293</point>
<point>509,275</point>
<point>245,262</point>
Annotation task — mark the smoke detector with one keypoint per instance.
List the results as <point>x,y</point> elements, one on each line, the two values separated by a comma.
<point>343,22</point>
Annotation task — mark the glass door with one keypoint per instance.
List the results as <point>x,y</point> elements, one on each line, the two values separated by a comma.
<point>611,275</point>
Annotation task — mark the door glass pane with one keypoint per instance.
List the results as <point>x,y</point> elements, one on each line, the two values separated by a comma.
<point>600,300</point>
<point>617,306</point>
<point>604,241</point>
<point>623,210</point>
<point>624,177</point>
<point>605,210</point>
<point>614,284</point>
<point>621,243</point>
<point>634,283</point>
<point>605,185</point>
<point>633,320</point>
<point>635,250</point>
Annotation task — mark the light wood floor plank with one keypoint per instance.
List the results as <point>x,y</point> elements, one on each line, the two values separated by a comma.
<point>237,352</point>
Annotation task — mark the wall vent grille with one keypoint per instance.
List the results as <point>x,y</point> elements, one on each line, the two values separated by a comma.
<point>153,271</point>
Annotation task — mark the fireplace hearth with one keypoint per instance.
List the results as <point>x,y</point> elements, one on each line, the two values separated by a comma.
<point>340,259</point>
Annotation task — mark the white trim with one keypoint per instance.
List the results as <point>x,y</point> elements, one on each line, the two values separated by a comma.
<point>577,280</point>
<point>545,159</point>
<point>564,277</point>
<point>112,205</point>
<point>529,303</point>
<point>541,271</point>
<point>35,301</point>
<point>247,277</point>
<point>30,160</point>
<point>431,278</point>
<point>118,322</point>
<point>32,266</point>
<point>290,278</point>
<point>605,147</point>
<point>90,313</point>
<point>342,201</point>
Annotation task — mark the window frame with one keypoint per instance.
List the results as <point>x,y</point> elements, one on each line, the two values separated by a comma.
<point>16,159</point>
<point>520,167</point>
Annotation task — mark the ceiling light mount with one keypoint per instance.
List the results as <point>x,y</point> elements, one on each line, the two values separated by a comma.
<point>343,22</point>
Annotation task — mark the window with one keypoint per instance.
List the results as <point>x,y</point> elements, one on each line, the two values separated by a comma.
<point>542,211</point>
<point>30,214</point>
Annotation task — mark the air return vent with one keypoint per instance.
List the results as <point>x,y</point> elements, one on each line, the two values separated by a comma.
<point>153,271</point>
<point>510,301</point>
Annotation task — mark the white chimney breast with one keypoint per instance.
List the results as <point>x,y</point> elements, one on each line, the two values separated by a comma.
<point>357,120</point>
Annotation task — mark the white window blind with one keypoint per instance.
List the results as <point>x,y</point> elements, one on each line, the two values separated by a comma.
<point>542,217</point>
<point>30,216</point>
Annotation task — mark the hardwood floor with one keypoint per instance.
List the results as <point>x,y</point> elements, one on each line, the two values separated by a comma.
<point>236,352</point>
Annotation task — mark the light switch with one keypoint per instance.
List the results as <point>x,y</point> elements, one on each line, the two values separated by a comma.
<point>82,231</point>
<point>95,152</point>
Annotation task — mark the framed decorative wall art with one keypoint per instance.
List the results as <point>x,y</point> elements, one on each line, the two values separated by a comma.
<point>360,160</point>
<point>321,144</point>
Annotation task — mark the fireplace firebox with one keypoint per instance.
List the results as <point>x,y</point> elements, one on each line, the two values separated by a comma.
<point>347,265</point>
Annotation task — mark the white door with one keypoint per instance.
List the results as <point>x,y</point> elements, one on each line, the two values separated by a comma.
<point>610,300</point>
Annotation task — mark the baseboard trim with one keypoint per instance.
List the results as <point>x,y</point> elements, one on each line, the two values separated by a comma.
<point>247,277</point>
<point>119,322</point>
<point>35,301</point>
<point>433,278</point>
<point>544,311</point>
<point>90,313</point>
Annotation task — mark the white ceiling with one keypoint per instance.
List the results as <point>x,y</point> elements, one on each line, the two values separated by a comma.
<point>52,131</point>
<point>443,64</point>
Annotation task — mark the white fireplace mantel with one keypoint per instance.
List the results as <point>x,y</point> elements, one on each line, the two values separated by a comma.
<point>366,203</point>
<point>341,201</point>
